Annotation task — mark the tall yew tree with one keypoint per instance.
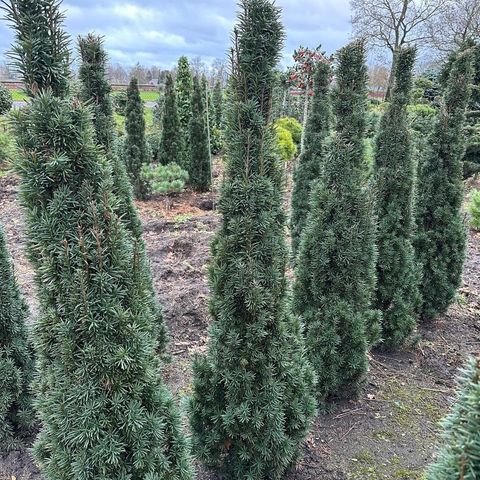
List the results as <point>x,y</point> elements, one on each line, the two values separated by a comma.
<point>397,274</point>
<point>252,400</point>
<point>199,168</point>
<point>184,92</point>
<point>307,170</point>
<point>336,262</point>
<point>105,411</point>
<point>16,360</point>
<point>440,240</point>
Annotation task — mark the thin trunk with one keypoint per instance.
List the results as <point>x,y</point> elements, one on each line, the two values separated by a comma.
<point>305,116</point>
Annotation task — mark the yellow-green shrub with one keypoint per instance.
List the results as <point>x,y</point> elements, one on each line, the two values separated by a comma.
<point>293,126</point>
<point>286,146</point>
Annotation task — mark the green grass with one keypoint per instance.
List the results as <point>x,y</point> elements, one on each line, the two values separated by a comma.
<point>146,96</point>
<point>19,95</point>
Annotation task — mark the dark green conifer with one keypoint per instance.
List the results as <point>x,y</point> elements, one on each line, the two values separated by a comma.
<point>397,274</point>
<point>336,262</point>
<point>135,148</point>
<point>252,399</point>
<point>172,144</point>
<point>16,359</point>
<point>217,104</point>
<point>199,168</point>
<point>184,92</point>
<point>440,239</point>
<point>308,168</point>
<point>459,458</point>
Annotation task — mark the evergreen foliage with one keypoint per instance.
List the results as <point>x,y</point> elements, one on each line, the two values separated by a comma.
<point>252,399</point>
<point>474,208</point>
<point>335,275</point>
<point>135,148</point>
<point>293,126</point>
<point>440,239</point>
<point>41,53</point>
<point>184,92</point>
<point>308,167</point>
<point>172,144</point>
<point>397,274</point>
<point>285,145</point>
<point>218,105</point>
<point>165,179</point>
<point>459,458</point>
<point>5,100</point>
<point>105,410</point>
<point>199,169</point>
<point>16,359</point>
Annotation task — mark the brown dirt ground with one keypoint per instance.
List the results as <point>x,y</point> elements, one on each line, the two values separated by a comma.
<point>390,433</point>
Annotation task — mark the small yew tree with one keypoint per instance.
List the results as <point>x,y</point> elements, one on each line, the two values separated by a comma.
<point>397,274</point>
<point>184,92</point>
<point>135,148</point>
<point>172,143</point>
<point>16,360</point>
<point>252,400</point>
<point>309,164</point>
<point>199,169</point>
<point>335,275</point>
<point>459,458</point>
<point>440,239</point>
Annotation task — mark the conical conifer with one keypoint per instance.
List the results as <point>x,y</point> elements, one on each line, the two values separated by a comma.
<point>252,398</point>
<point>308,168</point>
<point>336,262</point>
<point>397,274</point>
<point>440,239</point>
<point>16,359</point>
<point>199,168</point>
<point>459,458</point>
<point>172,143</point>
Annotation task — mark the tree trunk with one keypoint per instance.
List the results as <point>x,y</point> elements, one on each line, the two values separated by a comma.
<point>305,116</point>
<point>391,78</point>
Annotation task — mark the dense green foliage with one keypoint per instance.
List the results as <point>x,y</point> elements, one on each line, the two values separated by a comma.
<point>459,457</point>
<point>172,143</point>
<point>40,53</point>
<point>217,98</point>
<point>104,408</point>
<point>119,102</point>
<point>397,274</point>
<point>199,168</point>
<point>135,149</point>
<point>440,239</point>
<point>165,179</point>
<point>293,126</point>
<point>16,359</point>
<point>5,100</point>
<point>474,208</point>
<point>308,167</point>
<point>184,92</point>
<point>252,394</point>
<point>7,147</point>
<point>335,274</point>
<point>285,145</point>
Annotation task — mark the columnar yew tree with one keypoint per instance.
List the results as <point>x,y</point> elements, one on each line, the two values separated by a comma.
<point>252,402</point>
<point>459,458</point>
<point>199,168</point>
<point>218,104</point>
<point>172,143</point>
<point>397,274</point>
<point>307,170</point>
<point>135,148</point>
<point>16,361</point>
<point>184,92</point>
<point>440,240</point>
<point>336,262</point>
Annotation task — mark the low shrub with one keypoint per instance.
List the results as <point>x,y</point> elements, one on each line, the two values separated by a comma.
<point>293,126</point>
<point>165,179</point>
<point>6,101</point>
<point>285,144</point>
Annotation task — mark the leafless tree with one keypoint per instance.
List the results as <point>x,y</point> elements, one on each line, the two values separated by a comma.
<point>378,76</point>
<point>392,24</point>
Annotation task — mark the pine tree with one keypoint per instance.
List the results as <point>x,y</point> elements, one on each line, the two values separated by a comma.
<point>136,154</point>
<point>252,403</point>
<point>218,104</point>
<point>199,168</point>
<point>184,92</point>
<point>397,275</point>
<point>95,90</point>
<point>335,274</point>
<point>172,144</point>
<point>459,458</point>
<point>440,239</point>
<point>307,170</point>
<point>16,359</point>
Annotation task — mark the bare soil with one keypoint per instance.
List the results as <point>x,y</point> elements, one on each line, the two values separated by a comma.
<point>390,433</point>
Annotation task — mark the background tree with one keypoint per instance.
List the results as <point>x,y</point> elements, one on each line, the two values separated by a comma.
<point>16,360</point>
<point>397,275</point>
<point>440,239</point>
<point>392,24</point>
<point>460,455</point>
<point>335,274</point>
<point>184,92</point>
<point>199,169</point>
<point>136,153</point>
<point>308,167</point>
<point>252,403</point>
<point>217,104</point>
<point>172,143</point>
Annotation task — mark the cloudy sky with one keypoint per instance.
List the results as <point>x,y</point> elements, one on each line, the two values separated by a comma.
<point>159,31</point>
